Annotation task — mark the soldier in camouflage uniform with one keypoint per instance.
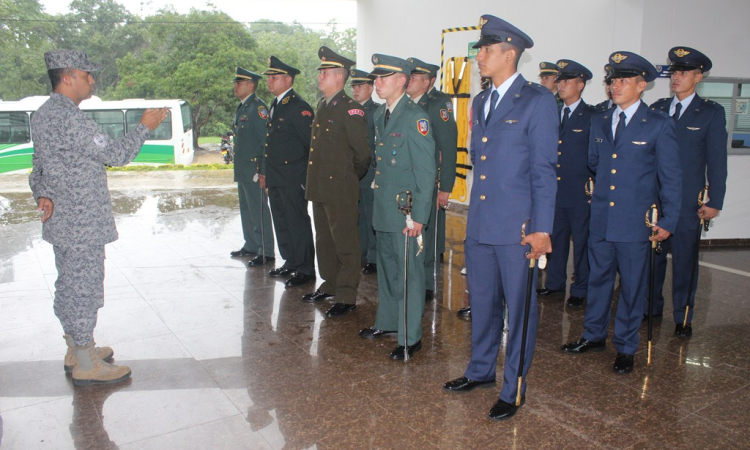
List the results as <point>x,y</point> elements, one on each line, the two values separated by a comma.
<point>69,183</point>
<point>439,108</point>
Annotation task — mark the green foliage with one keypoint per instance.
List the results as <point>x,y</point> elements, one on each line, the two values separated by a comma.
<point>167,55</point>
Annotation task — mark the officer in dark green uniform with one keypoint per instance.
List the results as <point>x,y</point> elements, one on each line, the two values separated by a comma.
<point>287,150</point>
<point>249,141</point>
<point>439,108</point>
<point>405,161</point>
<point>548,78</point>
<point>339,157</point>
<point>362,86</point>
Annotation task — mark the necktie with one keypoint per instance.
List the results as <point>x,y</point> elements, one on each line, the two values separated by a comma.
<point>620,126</point>
<point>273,104</point>
<point>677,110</point>
<point>237,114</point>
<point>493,102</point>
<point>566,112</point>
<point>387,116</point>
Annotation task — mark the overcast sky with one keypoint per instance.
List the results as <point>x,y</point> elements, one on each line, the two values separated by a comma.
<point>311,13</point>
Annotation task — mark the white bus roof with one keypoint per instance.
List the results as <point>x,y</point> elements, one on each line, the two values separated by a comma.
<point>33,103</point>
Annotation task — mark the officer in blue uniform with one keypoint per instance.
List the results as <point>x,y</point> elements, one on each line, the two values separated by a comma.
<point>363,84</point>
<point>514,152</point>
<point>702,134</point>
<point>572,205</point>
<point>632,150</point>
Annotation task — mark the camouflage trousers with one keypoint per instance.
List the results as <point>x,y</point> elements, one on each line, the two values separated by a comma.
<point>79,289</point>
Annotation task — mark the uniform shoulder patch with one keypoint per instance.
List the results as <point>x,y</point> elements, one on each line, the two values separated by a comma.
<point>444,115</point>
<point>423,126</point>
<point>262,112</point>
<point>449,106</point>
<point>356,112</point>
<point>307,113</point>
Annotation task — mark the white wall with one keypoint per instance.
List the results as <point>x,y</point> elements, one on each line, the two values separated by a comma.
<point>586,31</point>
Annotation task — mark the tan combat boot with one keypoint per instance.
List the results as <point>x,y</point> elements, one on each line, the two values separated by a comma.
<point>105,353</point>
<point>92,370</point>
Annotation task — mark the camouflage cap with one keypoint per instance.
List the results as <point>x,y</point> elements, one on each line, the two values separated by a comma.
<point>69,59</point>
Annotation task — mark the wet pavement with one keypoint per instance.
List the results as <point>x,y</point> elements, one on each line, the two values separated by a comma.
<point>224,357</point>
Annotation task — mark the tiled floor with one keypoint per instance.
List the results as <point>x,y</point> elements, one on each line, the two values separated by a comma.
<point>223,357</point>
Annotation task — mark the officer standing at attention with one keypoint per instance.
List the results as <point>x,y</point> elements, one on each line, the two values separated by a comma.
<point>632,151</point>
<point>362,86</point>
<point>439,108</point>
<point>69,184</point>
<point>405,161</point>
<point>548,78</point>
<point>606,104</point>
<point>572,204</point>
<point>702,135</point>
<point>339,157</point>
<point>514,151</point>
<point>287,151</point>
<point>249,143</point>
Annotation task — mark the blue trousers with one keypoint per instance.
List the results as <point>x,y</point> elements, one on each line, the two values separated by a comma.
<point>495,273</point>
<point>606,258</point>
<point>682,243</point>
<point>569,222</point>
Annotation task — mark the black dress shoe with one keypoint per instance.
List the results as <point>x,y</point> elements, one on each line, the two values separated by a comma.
<point>655,316</point>
<point>370,268</point>
<point>543,292</point>
<point>316,296</point>
<point>464,313</point>
<point>503,410</point>
<point>429,294</point>
<point>465,384</point>
<point>340,309</point>
<point>683,332</point>
<point>575,302</point>
<point>398,352</point>
<point>240,252</point>
<point>280,271</point>
<point>623,363</point>
<point>373,333</point>
<point>260,260</point>
<point>298,279</point>
<point>583,345</point>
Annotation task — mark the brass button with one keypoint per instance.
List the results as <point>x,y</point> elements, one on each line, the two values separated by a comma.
<point>376,186</point>
<point>266,145</point>
<point>558,166</point>
<point>381,144</point>
<point>327,129</point>
<point>614,170</point>
<point>379,158</point>
<point>614,155</point>
<point>377,172</point>
<point>482,177</point>
<point>310,162</point>
<point>559,153</point>
<point>484,139</point>
<point>611,188</point>
<point>483,157</point>
<point>558,178</point>
<point>311,149</point>
<point>317,125</point>
<point>330,177</point>
<point>314,137</point>
<point>611,203</point>
<point>559,141</point>
<point>482,197</point>
<point>267,134</point>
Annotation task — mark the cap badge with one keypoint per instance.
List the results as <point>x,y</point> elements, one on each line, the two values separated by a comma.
<point>681,52</point>
<point>618,58</point>
<point>482,21</point>
<point>375,60</point>
<point>562,64</point>
<point>322,58</point>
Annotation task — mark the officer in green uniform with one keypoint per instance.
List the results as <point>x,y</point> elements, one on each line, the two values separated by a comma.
<point>548,78</point>
<point>339,157</point>
<point>287,150</point>
<point>405,161</point>
<point>439,108</point>
<point>249,140</point>
<point>362,86</point>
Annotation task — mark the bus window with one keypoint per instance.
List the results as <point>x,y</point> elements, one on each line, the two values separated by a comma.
<point>162,133</point>
<point>14,128</point>
<point>187,119</point>
<point>110,122</point>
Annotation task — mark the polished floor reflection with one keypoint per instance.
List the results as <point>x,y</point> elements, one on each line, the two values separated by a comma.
<point>223,357</point>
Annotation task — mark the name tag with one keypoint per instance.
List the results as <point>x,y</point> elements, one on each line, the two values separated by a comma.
<point>599,140</point>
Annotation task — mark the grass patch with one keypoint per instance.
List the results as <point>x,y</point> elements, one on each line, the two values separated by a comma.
<point>144,168</point>
<point>209,140</point>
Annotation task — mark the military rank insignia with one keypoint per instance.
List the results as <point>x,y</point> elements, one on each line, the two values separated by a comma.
<point>262,112</point>
<point>285,101</point>
<point>307,113</point>
<point>449,106</point>
<point>444,115</point>
<point>423,126</point>
<point>356,112</point>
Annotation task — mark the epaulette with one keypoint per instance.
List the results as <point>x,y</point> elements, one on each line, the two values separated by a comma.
<point>536,85</point>
<point>711,102</point>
